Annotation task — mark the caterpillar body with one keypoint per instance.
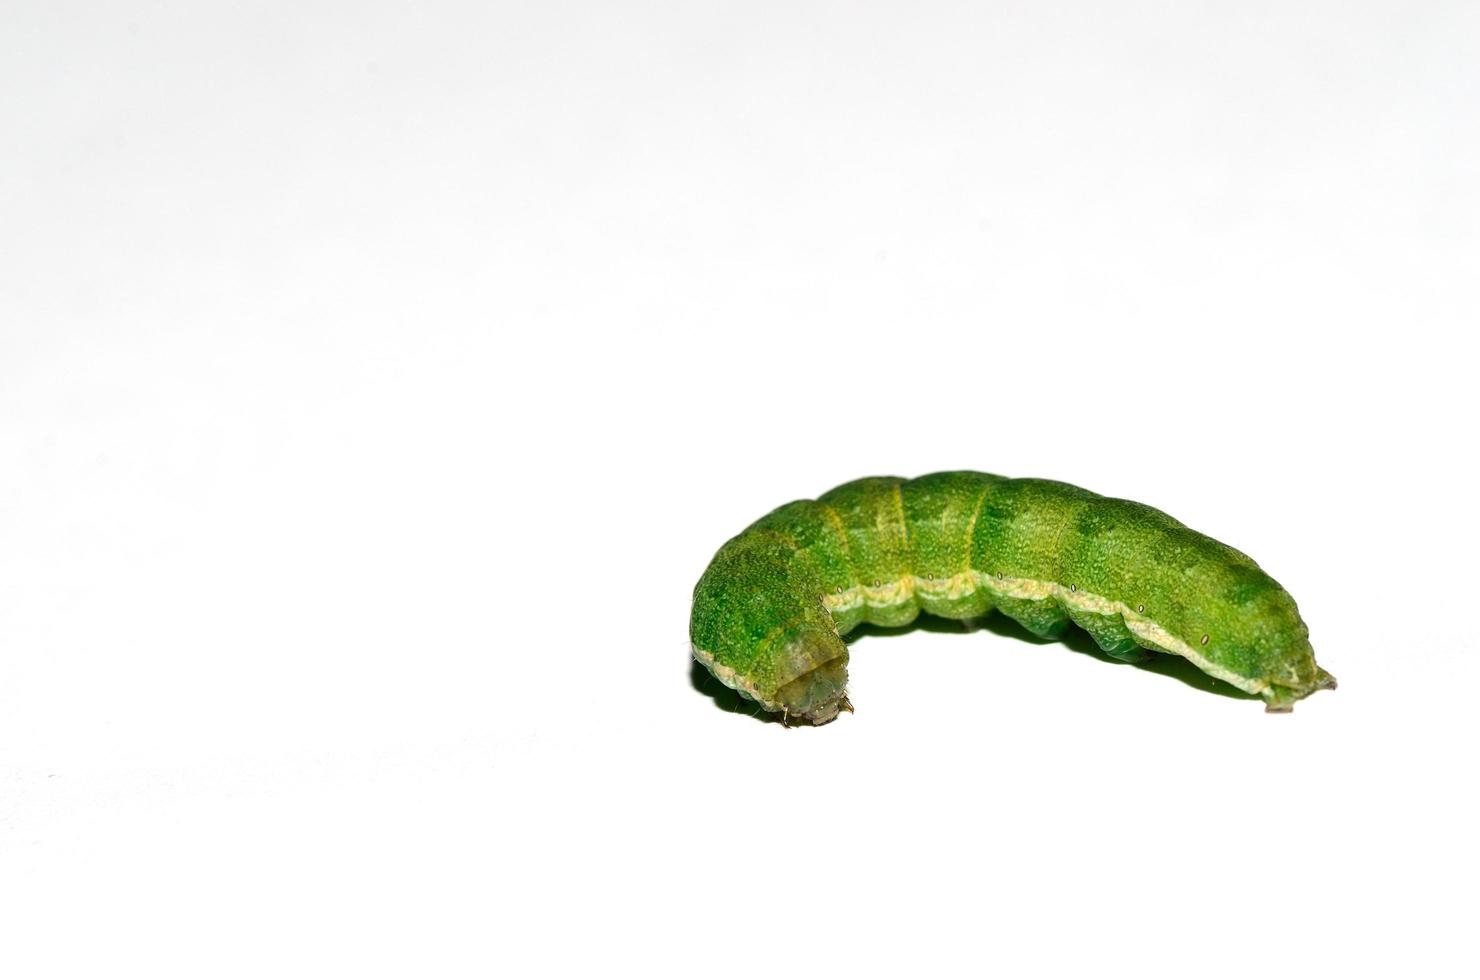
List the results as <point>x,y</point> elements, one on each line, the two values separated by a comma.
<point>771,610</point>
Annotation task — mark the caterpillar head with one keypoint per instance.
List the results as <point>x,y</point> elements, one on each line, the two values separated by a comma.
<point>812,675</point>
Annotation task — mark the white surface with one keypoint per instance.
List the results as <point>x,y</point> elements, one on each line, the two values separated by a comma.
<point>376,382</point>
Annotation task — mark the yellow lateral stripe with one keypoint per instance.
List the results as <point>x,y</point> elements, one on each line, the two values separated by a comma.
<point>960,586</point>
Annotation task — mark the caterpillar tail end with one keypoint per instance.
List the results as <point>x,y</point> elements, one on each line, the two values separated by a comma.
<point>1281,700</point>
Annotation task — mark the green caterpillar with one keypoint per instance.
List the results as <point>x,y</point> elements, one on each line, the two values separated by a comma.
<point>770,612</point>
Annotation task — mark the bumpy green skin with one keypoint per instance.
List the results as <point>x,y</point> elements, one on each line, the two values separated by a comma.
<point>770,612</point>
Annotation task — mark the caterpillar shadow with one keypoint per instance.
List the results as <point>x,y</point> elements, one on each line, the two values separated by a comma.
<point>725,699</point>
<point>1074,638</point>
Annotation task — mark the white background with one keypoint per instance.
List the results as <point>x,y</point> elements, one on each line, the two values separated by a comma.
<point>376,381</point>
